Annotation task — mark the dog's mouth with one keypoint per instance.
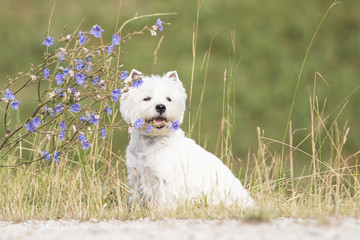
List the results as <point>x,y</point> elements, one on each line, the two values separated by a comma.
<point>158,122</point>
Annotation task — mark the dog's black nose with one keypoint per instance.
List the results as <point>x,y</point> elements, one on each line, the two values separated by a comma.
<point>160,108</point>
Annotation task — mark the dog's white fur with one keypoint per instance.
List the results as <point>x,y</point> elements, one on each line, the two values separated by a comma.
<point>166,169</point>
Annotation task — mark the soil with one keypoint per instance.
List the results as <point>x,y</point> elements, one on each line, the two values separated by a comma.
<point>173,229</point>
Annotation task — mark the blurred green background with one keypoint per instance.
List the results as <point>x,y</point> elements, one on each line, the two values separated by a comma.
<point>271,41</point>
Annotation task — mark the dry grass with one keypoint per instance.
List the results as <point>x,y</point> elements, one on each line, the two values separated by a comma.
<point>95,187</point>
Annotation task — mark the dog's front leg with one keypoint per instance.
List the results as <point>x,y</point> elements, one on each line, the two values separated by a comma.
<point>154,193</point>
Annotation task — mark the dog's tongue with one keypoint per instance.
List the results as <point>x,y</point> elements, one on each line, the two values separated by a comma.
<point>159,121</point>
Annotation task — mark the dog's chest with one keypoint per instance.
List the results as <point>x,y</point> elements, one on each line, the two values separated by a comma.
<point>145,158</point>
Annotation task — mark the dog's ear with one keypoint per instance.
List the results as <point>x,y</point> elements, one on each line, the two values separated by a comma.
<point>172,75</point>
<point>134,73</point>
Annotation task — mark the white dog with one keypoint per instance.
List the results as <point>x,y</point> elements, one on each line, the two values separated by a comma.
<point>166,169</point>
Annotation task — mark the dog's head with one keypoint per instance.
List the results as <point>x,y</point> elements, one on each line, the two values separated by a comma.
<point>157,101</point>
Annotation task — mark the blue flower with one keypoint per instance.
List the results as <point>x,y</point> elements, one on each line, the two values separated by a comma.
<point>75,108</point>
<point>116,94</point>
<point>61,56</point>
<point>36,122</point>
<point>94,119</point>
<point>82,38</point>
<point>110,49</point>
<point>116,39</point>
<point>74,92</point>
<point>61,94</point>
<point>59,79</point>
<point>14,104</point>
<point>83,118</point>
<point>59,108</point>
<point>96,31</point>
<point>148,129</point>
<point>33,125</point>
<point>96,81</point>
<point>9,95</point>
<point>79,65</point>
<point>108,110</point>
<point>159,24</point>
<point>62,135</point>
<point>80,79</point>
<point>88,59</point>
<point>103,133</point>
<point>46,155</point>
<point>48,41</point>
<point>139,123</point>
<point>50,111</point>
<point>81,138</point>
<point>175,125</point>
<point>85,145</point>
<point>124,75</point>
<point>62,125</point>
<point>46,73</point>
<point>66,71</point>
<point>56,156</point>
<point>138,83</point>
<point>30,126</point>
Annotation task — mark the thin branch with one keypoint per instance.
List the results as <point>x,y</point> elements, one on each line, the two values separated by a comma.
<point>142,16</point>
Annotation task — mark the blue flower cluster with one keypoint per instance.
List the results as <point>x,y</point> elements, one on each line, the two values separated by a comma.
<point>175,125</point>
<point>92,118</point>
<point>48,156</point>
<point>33,125</point>
<point>138,83</point>
<point>96,31</point>
<point>82,38</point>
<point>10,97</point>
<point>124,75</point>
<point>148,129</point>
<point>80,78</point>
<point>159,24</point>
<point>116,94</point>
<point>108,110</point>
<point>46,73</point>
<point>85,144</point>
<point>56,156</point>
<point>103,133</point>
<point>139,124</point>
<point>70,81</point>
<point>59,79</point>
<point>48,41</point>
<point>115,42</point>
<point>62,126</point>
<point>75,108</point>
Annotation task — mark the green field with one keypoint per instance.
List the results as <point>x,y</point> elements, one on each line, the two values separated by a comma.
<point>271,41</point>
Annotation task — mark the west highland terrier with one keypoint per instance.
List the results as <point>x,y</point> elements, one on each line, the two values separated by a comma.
<point>165,168</point>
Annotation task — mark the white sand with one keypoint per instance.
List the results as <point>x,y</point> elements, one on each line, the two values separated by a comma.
<point>172,229</point>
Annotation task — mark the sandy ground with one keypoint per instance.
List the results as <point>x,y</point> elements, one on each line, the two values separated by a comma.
<point>172,229</point>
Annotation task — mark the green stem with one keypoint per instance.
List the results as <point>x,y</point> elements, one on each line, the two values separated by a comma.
<point>300,74</point>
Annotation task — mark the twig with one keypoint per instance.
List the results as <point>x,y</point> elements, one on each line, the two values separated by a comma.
<point>48,30</point>
<point>194,42</point>
<point>140,17</point>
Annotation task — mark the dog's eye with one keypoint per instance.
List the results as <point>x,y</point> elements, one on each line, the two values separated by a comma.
<point>147,99</point>
<point>168,99</point>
